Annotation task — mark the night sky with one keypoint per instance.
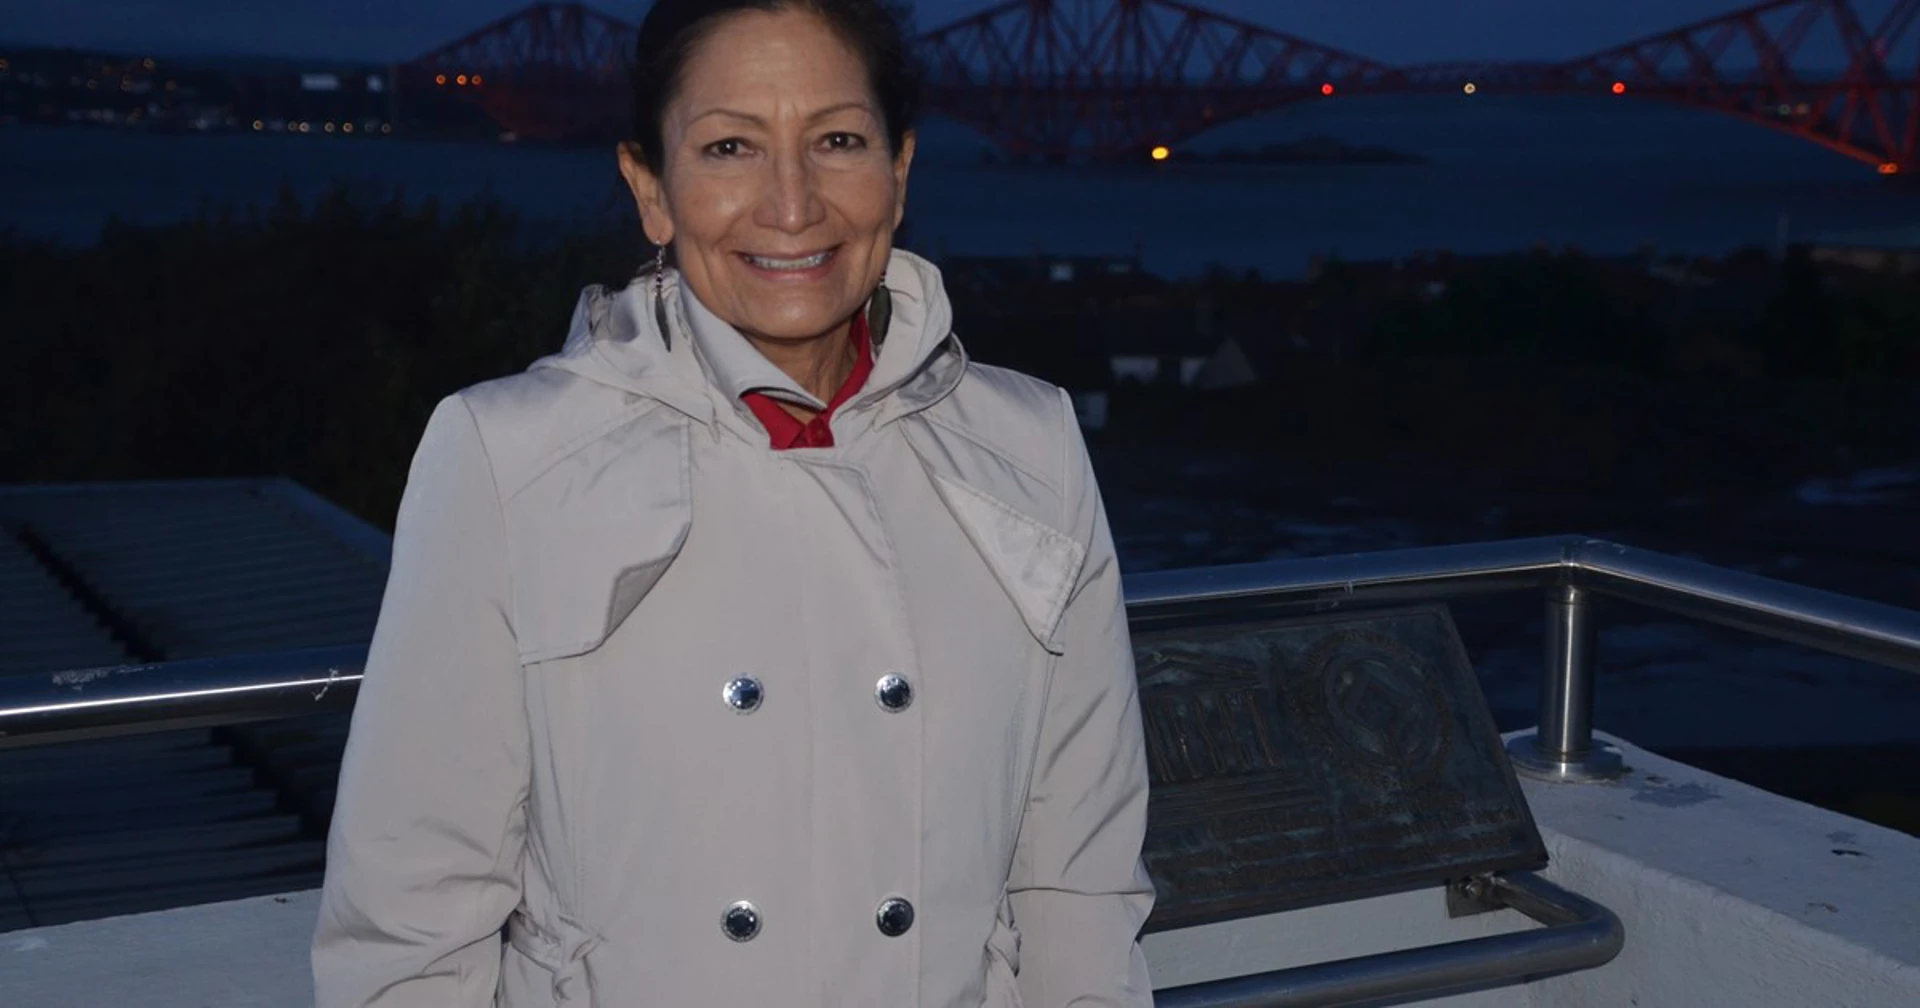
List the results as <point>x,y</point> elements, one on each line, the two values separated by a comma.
<point>385,30</point>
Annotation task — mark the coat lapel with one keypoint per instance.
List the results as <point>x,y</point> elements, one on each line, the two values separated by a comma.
<point>1034,563</point>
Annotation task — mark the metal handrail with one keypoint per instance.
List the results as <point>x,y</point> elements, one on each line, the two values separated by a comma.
<point>95,703</point>
<point>1580,934</point>
<point>1570,569</point>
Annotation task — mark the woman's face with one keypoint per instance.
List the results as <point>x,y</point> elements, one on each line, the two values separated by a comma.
<point>776,190</point>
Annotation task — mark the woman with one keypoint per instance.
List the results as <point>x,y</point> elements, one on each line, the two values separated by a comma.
<point>757,649</point>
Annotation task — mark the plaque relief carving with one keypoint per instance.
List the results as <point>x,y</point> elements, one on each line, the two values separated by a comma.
<point>1317,759</point>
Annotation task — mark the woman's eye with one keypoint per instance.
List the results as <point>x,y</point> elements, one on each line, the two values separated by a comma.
<point>844,141</point>
<point>726,148</point>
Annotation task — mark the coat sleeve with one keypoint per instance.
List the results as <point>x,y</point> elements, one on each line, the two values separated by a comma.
<point>1078,890</point>
<point>423,859</point>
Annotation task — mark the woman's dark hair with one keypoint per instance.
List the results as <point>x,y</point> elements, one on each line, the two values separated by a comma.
<point>874,29</point>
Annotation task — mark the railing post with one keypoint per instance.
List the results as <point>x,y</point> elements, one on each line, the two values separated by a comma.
<point>1562,747</point>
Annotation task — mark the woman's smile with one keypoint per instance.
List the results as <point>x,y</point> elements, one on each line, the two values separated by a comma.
<point>792,268</point>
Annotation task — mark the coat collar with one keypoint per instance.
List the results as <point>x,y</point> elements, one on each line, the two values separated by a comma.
<point>643,339</point>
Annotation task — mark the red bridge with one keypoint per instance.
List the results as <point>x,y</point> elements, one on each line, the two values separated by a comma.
<point>1063,80</point>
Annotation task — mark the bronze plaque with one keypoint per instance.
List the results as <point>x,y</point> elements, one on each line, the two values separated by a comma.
<point>1319,759</point>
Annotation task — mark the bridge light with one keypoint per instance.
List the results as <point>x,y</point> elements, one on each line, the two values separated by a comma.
<point>1161,153</point>
<point>1326,89</point>
<point>441,80</point>
<point>1471,87</point>
<point>1890,168</point>
<point>1619,87</point>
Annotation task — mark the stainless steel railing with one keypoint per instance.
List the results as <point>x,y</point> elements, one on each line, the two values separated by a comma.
<point>1580,934</point>
<point>1569,570</point>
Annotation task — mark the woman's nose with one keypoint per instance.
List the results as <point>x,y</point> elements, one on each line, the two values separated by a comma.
<point>792,201</point>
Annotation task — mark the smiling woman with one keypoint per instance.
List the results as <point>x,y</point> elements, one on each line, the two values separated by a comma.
<point>757,648</point>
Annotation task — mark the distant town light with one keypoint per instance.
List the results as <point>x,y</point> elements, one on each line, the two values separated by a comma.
<point>148,62</point>
<point>1161,153</point>
<point>93,85</point>
<point>1326,89</point>
<point>476,80</point>
<point>386,127</point>
<point>329,127</point>
<point>346,127</point>
<point>1890,168</point>
<point>1471,87</point>
<point>3,64</point>
<point>461,80</point>
<point>258,125</point>
<point>306,127</point>
<point>441,80</point>
<point>1619,87</point>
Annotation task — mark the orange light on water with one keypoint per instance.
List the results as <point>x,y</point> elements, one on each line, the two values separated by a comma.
<point>1161,153</point>
<point>1326,89</point>
<point>1619,87</point>
<point>1890,168</point>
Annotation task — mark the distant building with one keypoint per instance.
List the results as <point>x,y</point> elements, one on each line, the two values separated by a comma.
<point>1885,250</point>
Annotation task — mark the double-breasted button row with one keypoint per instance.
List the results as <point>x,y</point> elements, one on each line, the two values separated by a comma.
<point>741,921</point>
<point>744,695</point>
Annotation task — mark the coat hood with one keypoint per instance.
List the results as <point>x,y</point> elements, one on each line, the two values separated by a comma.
<point>637,339</point>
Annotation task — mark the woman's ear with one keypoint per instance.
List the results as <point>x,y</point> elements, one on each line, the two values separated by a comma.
<point>902,166</point>
<point>648,195</point>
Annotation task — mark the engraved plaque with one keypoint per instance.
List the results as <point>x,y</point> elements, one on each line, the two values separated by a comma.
<point>1319,759</point>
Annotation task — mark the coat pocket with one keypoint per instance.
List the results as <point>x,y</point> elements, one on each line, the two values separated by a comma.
<point>561,951</point>
<point>594,532</point>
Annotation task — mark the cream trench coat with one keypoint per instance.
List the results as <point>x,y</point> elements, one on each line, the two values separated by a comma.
<point>558,790</point>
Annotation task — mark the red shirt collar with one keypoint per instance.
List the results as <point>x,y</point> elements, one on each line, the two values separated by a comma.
<point>784,431</point>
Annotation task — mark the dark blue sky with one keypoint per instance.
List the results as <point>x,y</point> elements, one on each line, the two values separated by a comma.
<point>1392,30</point>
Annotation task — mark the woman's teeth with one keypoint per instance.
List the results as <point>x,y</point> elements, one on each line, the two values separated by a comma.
<point>809,262</point>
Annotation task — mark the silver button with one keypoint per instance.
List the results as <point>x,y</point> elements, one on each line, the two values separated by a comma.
<point>894,693</point>
<point>894,917</point>
<point>741,922</point>
<point>743,695</point>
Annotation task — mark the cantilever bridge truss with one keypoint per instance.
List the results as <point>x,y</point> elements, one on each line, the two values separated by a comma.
<point>1105,79</point>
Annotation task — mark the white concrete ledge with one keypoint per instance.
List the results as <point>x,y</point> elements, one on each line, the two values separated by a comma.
<point>1731,896</point>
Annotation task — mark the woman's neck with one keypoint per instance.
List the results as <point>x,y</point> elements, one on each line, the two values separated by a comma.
<point>819,365</point>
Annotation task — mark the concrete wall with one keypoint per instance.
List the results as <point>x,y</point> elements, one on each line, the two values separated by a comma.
<point>1730,896</point>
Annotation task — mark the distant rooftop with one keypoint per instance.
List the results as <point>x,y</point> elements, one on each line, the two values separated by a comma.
<point>100,575</point>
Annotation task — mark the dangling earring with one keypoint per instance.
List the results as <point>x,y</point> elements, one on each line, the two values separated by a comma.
<point>660,294</point>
